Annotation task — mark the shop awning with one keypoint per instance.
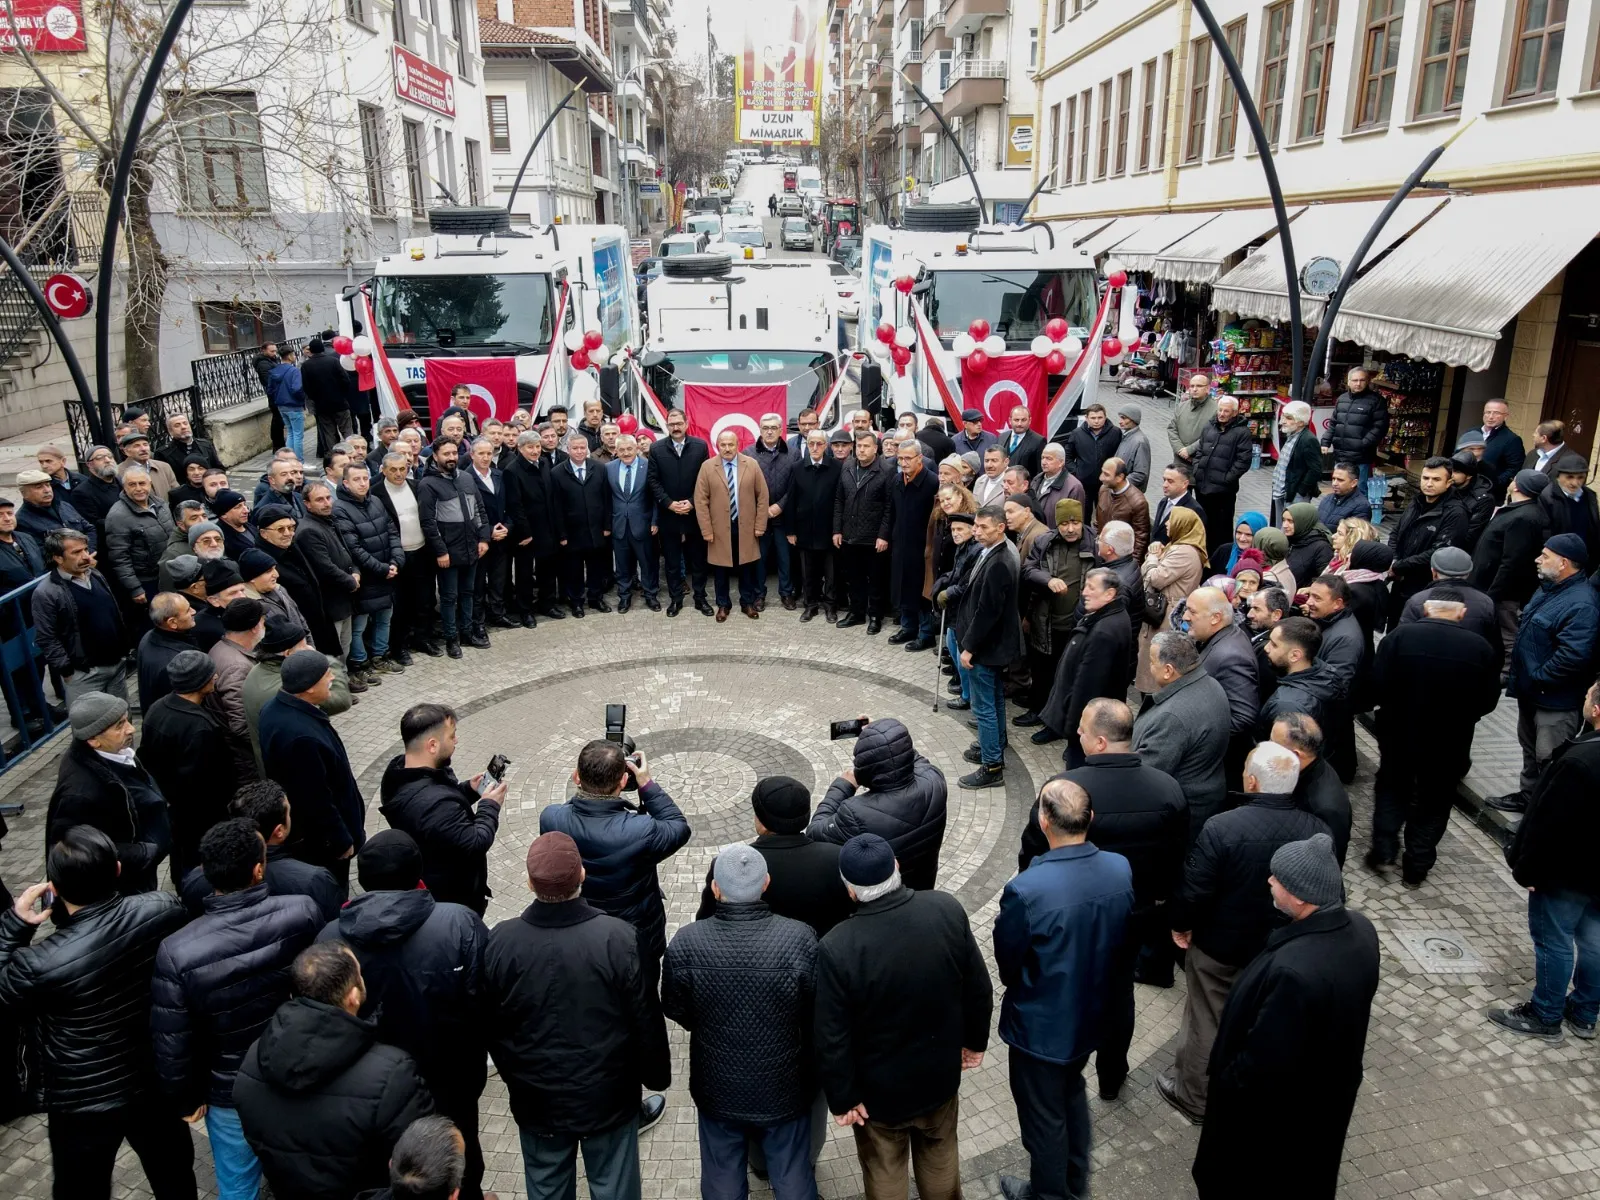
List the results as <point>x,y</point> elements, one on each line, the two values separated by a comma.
<point>1140,251</point>
<point>1256,287</point>
<point>1446,294</point>
<point>1104,238</point>
<point>1070,233</point>
<point>1198,258</point>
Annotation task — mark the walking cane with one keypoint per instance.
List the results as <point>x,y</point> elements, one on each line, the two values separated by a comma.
<point>938,657</point>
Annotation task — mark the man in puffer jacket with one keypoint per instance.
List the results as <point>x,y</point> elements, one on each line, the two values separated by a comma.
<point>218,981</point>
<point>903,802</point>
<point>1360,421</point>
<point>138,527</point>
<point>457,529</point>
<point>373,540</point>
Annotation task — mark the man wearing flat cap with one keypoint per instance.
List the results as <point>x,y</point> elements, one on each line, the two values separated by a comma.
<point>973,438</point>
<point>224,585</point>
<point>1292,1033</point>
<point>135,446</point>
<point>1571,505</point>
<point>573,1057</point>
<point>742,983</point>
<point>1552,661</point>
<point>191,756</point>
<point>1503,565</point>
<point>1135,447</point>
<point>44,508</point>
<point>1451,567</point>
<point>903,1006</point>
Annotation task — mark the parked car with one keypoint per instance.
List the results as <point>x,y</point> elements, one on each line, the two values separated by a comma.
<point>790,205</point>
<point>842,247</point>
<point>741,208</point>
<point>683,243</point>
<point>796,233</point>
<point>846,282</point>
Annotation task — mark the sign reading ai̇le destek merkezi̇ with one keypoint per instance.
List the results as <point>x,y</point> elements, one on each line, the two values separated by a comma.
<point>778,72</point>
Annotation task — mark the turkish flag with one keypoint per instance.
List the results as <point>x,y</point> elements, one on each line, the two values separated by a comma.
<point>1006,382</point>
<point>714,407</point>
<point>492,381</point>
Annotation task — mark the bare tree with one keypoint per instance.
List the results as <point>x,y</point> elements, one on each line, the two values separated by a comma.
<point>699,126</point>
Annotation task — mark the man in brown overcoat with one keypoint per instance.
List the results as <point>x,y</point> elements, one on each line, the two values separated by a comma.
<point>730,500</point>
<point>1119,500</point>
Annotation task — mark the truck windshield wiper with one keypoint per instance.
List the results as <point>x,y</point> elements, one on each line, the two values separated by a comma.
<point>515,347</point>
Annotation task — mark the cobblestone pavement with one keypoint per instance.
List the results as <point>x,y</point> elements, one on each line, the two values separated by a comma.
<point>1450,1107</point>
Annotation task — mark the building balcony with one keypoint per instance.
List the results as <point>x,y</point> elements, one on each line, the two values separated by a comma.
<point>883,18</point>
<point>631,13</point>
<point>927,125</point>
<point>910,10</point>
<point>905,52</point>
<point>629,88</point>
<point>967,16</point>
<point>974,83</point>
<point>934,36</point>
<point>882,127</point>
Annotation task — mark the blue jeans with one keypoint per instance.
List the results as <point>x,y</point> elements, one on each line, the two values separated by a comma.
<point>294,430</point>
<point>610,1161</point>
<point>775,544</point>
<point>377,623</point>
<point>964,675</point>
<point>989,706</point>
<point>238,1171</point>
<point>918,615</point>
<point>1558,920</point>
<point>787,1147</point>
<point>455,600</point>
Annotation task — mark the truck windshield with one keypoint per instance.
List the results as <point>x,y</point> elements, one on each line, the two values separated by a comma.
<point>1015,303</point>
<point>808,374</point>
<point>464,310</point>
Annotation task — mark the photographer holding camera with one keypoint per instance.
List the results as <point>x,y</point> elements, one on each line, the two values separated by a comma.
<point>620,846</point>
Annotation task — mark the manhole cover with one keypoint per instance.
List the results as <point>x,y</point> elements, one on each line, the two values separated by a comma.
<point>1442,951</point>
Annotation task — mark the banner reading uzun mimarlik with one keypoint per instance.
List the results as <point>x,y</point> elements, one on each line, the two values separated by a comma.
<point>778,72</point>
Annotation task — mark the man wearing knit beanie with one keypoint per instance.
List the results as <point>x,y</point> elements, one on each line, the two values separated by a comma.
<point>740,983</point>
<point>1503,565</point>
<point>1135,447</point>
<point>1293,1032</point>
<point>573,1058</point>
<point>191,757</point>
<point>903,1006</point>
<point>805,883</point>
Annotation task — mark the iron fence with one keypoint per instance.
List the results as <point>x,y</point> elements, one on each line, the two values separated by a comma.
<point>22,676</point>
<point>181,401</point>
<point>229,380</point>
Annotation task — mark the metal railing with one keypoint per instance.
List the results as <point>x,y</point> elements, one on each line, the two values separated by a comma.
<point>159,408</point>
<point>229,380</point>
<point>977,68</point>
<point>22,676</point>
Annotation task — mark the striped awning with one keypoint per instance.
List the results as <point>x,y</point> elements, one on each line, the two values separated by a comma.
<point>1257,287</point>
<point>1139,251</point>
<point>1198,258</point>
<point>1449,290</point>
<point>1109,235</point>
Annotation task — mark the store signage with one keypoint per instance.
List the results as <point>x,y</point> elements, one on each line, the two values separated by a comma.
<point>68,295</point>
<point>1019,141</point>
<point>423,84</point>
<point>44,27</point>
<point>1320,276</point>
<point>649,188</point>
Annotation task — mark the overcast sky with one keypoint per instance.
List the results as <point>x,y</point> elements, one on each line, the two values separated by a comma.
<point>690,18</point>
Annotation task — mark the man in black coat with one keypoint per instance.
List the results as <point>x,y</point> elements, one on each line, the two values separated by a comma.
<point>101,783</point>
<point>1022,445</point>
<point>172,621</point>
<point>1503,451</point>
<point>1347,653</point>
<point>1319,790</point>
<point>421,962</point>
<point>1503,563</point>
<point>422,797</point>
<point>331,393</point>
<point>1477,493</point>
<point>1451,568</point>
<point>863,519</point>
<point>182,442</point>
<point>583,530</point>
<point>372,539</point>
<point>321,1099</point>
<point>1093,664</point>
<point>1434,518</point>
<point>1295,1022</point>
<point>191,757</point>
<point>1222,912</point>
<point>903,1006</point>
<point>1230,659</point>
<point>1435,679</point>
<point>492,573</point>
<point>218,980</point>
<point>742,982</point>
<point>535,551</point>
<point>989,634</point>
<point>809,513</point>
<point>1220,463</point>
<point>573,1058</point>
<point>264,803</point>
<point>331,563</point>
<point>674,468</point>
<point>1094,440</point>
<point>805,883</point>
<point>84,994</point>
<point>457,529</point>
<point>911,494</point>
<point>278,527</point>
<point>1571,505</point>
<point>1360,423</point>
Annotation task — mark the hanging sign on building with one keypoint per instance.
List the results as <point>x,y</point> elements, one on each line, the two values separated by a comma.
<point>44,27</point>
<point>1019,141</point>
<point>423,84</point>
<point>777,74</point>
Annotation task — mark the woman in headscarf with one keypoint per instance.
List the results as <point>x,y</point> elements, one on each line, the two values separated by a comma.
<point>1244,537</point>
<point>1367,574</point>
<point>1274,549</point>
<point>1310,551</point>
<point>1173,568</point>
<point>1247,574</point>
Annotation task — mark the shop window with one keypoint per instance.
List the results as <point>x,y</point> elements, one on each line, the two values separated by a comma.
<point>1104,157</point>
<point>1539,34</point>
<point>499,125</point>
<point>1072,140</point>
<point>225,328</point>
<point>1194,146</point>
<point>1085,104</point>
<point>1446,40</point>
<point>1380,62</point>
<point>222,165</point>
<point>1322,16</point>
<point>1166,107</point>
<point>1275,67</point>
<point>1147,113</point>
<point>1228,109</point>
<point>1124,119</point>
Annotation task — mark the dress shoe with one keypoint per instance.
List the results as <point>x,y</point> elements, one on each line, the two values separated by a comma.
<point>653,605</point>
<point>1375,863</point>
<point>902,636</point>
<point>958,704</point>
<point>453,649</point>
<point>722,615</point>
<point>1169,1093</point>
<point>751,611</point>
<point>1044,736</point>
<point>431,649</point>
<point>401,656</point>
<point>760,604</point>
<point>810,613</point>
<point>624,605</point>
<point>702,606</point>
<point>675,606</point>
<point>478,640</point>
<point>919,645</point>
<point>577,610</point>
<point>356,684</point>
<point>830,614</point>
<point>949,668</point>
<point>501,621</point>
<point>790,603</point>
<point>874,625</point>
<point>953,686</point>
<point>650,1111</point>
<point>529,621</point>
<point>1027,720</point>
<point>986,776</point>
<point>1515,802</point>
<point>1013,1188</point>
<point>553,612</point>
<point>1110,1089</point>
<point>851,621</point>
<point>600,605</point>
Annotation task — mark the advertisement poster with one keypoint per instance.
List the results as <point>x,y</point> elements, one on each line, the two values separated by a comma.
<point>777,75</point>
<point>44,27</point>
<point>613,302</point>
<point>879,255</point>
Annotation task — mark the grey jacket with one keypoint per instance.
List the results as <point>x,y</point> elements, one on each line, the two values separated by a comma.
<point>1230,659</point>
<point>1187,422</point>
<point>135,541</point>
<point>1135,454</point>
<point>1185,733</point>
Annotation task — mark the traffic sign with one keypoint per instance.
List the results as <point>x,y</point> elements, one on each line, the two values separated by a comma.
<point>68,295</point>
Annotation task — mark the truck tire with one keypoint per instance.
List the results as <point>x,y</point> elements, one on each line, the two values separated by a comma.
<point>696,266</point>
<point>469,220</point>
<point>943,218</point>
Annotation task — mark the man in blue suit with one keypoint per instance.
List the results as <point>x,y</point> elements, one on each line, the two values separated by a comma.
<point>633,522</point>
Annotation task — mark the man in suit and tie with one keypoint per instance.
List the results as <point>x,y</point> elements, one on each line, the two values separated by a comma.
<point>730,502</point>
<point>805,423</point>
<point>633,521</point>
<point>583,513</point>
<point>990,488</point>
<point>494,568</point>
<point>530,513</point>
<point>1175,493</point>
<point>674,471</point>
<point>1022,445</point>
<point>988,627</point>
<point>810,512</point>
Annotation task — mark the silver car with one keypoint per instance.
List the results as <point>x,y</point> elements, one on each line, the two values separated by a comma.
<point>797,234</point>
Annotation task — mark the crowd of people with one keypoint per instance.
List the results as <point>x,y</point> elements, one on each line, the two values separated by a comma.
<point>1203,670</point>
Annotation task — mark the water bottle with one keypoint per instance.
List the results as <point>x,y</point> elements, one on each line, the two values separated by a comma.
<point>1255,457</point>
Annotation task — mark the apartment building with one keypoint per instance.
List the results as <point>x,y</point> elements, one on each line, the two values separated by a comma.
<point>1490,273</point>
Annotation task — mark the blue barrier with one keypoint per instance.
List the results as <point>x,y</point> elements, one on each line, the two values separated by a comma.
<point>22,677</point>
